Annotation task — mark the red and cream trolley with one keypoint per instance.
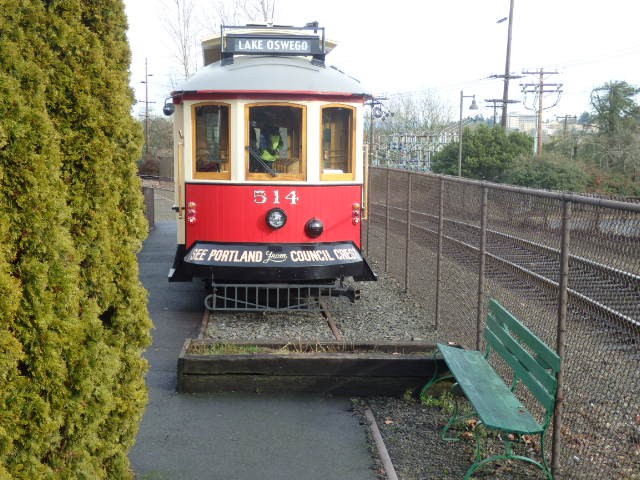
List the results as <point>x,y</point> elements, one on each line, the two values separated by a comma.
<point>269,171</point>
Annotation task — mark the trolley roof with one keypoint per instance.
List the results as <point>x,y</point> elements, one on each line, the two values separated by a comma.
<point>269,66</point>
<point>271,74</point>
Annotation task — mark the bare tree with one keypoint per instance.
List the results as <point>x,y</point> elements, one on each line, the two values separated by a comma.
<point>237,12</point>
<point>263,9</point>
<point>180,23</point>
<point>189,20</point>
<point>416,113</point>
<point>229,12</point>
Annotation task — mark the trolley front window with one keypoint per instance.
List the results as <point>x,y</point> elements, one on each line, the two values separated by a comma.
<point>275,142</point>
<point>211,142</point>
<point>337,143</point>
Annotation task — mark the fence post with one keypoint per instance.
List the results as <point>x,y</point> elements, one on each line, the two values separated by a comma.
<point>148,194</point>
<point>461,213</point>
<point>367,206</point>
<point>561,334</point>
<point>386,225</point>
<point>408,237</point>
<point>483,250</point>
<point>439,259</point>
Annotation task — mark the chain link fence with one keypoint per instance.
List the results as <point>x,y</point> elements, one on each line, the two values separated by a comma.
<point>158,199</point>
<point>567,266</point>
<point>455,243</point>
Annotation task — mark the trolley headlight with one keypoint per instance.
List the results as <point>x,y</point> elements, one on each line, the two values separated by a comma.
<point>276,218</point>
<point>314,228</point>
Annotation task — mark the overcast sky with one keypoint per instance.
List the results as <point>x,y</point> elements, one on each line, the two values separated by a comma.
<point>443,46</point>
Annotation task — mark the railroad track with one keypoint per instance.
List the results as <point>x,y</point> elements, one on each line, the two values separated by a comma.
<point>315,316</point>
<point>335,330</point>
<point>608,291</point>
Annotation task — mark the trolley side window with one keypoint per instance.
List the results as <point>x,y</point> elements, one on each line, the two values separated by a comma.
<point>275,142</point>
<point>337,143</point>
<point>211,142</point>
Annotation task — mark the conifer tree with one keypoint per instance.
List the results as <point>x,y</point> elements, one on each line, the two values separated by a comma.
<point>90,101</point>
<point>40,313</point>
<point>74,319</point>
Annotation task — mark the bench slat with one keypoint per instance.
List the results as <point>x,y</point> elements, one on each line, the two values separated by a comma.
<point>532,364</point>
<point>495,404</point>
<point>526,336</point>
<point>504,346</point>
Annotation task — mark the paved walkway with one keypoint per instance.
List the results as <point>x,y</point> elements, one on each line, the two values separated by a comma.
<point>230,436</point>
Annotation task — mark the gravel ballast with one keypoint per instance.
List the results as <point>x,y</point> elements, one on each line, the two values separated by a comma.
<point>384,313</point>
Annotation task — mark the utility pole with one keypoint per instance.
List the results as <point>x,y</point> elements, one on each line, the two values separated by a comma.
<point>146,108</point>
<point>538,89</point>
<point>565,119</point>
<point>574,143</point>
<point>497,102</point>
<point>507,66</point>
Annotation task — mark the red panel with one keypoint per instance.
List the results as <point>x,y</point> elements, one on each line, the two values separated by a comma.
<point>236,213</point>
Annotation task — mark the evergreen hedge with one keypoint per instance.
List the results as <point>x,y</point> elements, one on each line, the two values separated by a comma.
<point>73,317</point>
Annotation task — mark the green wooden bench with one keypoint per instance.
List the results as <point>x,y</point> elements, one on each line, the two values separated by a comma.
<point>533,365</point>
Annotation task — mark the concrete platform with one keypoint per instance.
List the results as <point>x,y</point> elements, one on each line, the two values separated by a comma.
<point>230,436</point>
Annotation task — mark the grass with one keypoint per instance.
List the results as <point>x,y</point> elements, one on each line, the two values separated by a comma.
<point>227,349</point>
<point>291,347</point>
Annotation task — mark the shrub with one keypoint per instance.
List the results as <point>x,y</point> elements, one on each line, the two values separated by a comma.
<point>548,171</point>
<point>487,153</point>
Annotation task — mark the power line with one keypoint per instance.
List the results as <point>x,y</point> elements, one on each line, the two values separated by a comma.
<point>600,58</point>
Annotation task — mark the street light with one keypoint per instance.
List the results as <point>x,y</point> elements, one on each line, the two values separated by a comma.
<point>473,106</point>
<point>377,112</point>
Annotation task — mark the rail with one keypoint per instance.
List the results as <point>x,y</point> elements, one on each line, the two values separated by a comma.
<point>611,278</point>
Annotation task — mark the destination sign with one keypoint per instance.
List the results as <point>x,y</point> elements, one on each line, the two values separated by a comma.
<point>283,45</point>
<point>288,255</point>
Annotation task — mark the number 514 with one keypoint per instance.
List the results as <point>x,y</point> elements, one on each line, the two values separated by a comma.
<point>262,196</point>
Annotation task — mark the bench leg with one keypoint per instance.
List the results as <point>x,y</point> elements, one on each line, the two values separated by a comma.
<point>544,457</point>
<point>452,421</point>
<point>456,418</point>
<point>508,455</point>
<point>432,382</point>
<point>434,379</point>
